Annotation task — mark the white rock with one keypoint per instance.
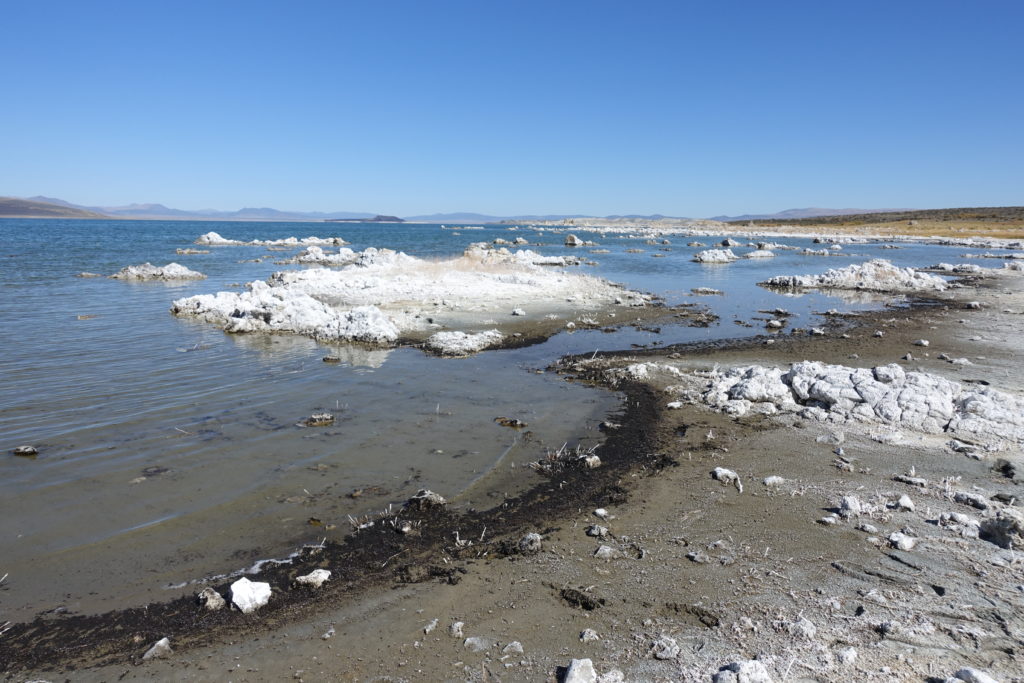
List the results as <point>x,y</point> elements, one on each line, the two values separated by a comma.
<point>605,552</point>
<point>580,671</point>
<point>518,311</point>
<point>478,643</point>
<point>760,253</point>
<point>901,541</point>
<point>876,275</point>
<point>921,342</point>
<point>803,628</point>
<point>147,271</point>
<point>161,648</point>
<point>674,405</point>
<point>597,531</point>
<point>455,630</point>
<point>530,544</point>
<point>774,480</point>
<point>746,671</point>
<point>850,506</point>
<point>315,578</point>
<point>456,343</point>
<point>847,656</point>
<point>513,648</point>
<point>969,675</point>
<point>601,513</point>
<point>589,635</point>
<point>905,504</point>
<point>249,596</point>
<point>429,628</point>
<point>715,256</point>
<point>665,647</point>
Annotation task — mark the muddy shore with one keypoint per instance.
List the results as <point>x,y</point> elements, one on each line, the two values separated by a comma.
<point>725,576</point>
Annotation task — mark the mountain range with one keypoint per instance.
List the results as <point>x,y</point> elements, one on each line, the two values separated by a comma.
<point>42,206</point>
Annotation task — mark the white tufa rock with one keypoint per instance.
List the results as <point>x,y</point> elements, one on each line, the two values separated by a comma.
<point>665,647</point>
<point>901,541</point>
<point>803,628</point>
<point>905,504</point>
<point>147,271</point>
<point>580,671</point>
<point>530,544</point>
<point>715,256</point>
<point>727,477</point>
<point>847,656</point>
<point>603,514</point>
<point>513,648</point>
<point>921,342</point>
<point>774,481</point>
<point>518,312</point>
<point>589,635</point>
<point>429,628</point>
<point>746,671</point>
<point>605,552</point>
<point>463,343</point>
<point>850,506</point>
<point>478,643</point>
<point>760,253</point>
<point>969,675</point>
<point>877,275</point>
<point>455,630</point>
<point>315,578</point>
<point>249,596</point>
<point>161,648</point>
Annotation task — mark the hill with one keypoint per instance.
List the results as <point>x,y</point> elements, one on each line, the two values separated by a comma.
<point>991,214</point>
<point>11,207</point>
<point>797,214</point>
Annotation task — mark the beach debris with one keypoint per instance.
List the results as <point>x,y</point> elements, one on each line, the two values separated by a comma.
<point>425,500</point>
<point>513,648</point>
<point>556,461</point>
<point>580,671</point>
<point>665,647</point>
<point>315,578</point>
<point>715,256</point>
<point>969,675</point>
<point>727,477</point>
<point>161,648</point>
<point>147,271</point>
<point>318,420</point>
<point>454,343</point>
<point>211,599</point>
<point>26,451</point>
<point>530,544</point>
<point>514,423</point>
<point>744,671</point>
<point>589,635</point>
<point>478,643</point>
<point>249,596</point>
<point>455,629</point>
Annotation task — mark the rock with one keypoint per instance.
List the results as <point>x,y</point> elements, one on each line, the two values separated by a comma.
<point>760,253</point>
<point>26,451</point>
<point>901,541</point>
<point>665,647</point>
<point>905,504</point>
<point>877,275</point>
<point>580,671</point>
<point>518,312</point>
<point>829,520</point>
<point>249,596</point>
<point>597,531</point>
<point>803,628</point>
<point>975,500</point>
<point>715,256</point>
<point>774,324</point>
<point>846,656</point>
<point>147,271</point>
<point>1006,529</point>
<point>530,544</point>
<point>730,242</point>
<point>513,648</point>
<point>425,500</point>
<point>601,513</point>
<point>817,332</point>
<point>746,671</point>
<point>318,420</point>
<point>674,405</point>
<point>211,599</point>
<point>969,675</point>
<point>573,241</point>
<point>429,628</point>
<point>878,334</point>
<point>161,648</point>
<point>315,578</point>
<point>605,552</point>
<point>921,342</point>
<point>589,635</point>
<point>590,461</point>
<point>850,506</point>
<point>478,643</point>
<point>867,528</point>
<point>455,630</point>
<point>773,481</point>
<point>727,477</point>
<point>453,343</point>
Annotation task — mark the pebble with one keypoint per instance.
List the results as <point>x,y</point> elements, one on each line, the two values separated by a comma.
<point>601,513</point>
<point>455,630</point>
<point>847,656</point>
<point>430,627</point>
<point>518,311</point>
<point>161,648</point>
<point>747,671</point>
<point>597,531</point>
<point>606,553</point>
<point>478,644</point>
<point>921,342</point>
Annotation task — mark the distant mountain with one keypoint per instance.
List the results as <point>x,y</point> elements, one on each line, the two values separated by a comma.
<point>11,207</point>
<point>486,218</point>
<point>159,211</point>
<point>797,214</point>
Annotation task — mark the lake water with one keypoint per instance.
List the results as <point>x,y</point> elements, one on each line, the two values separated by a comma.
<point>169,450</point>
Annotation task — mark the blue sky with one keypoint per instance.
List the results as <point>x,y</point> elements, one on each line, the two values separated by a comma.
<point>596,107</point>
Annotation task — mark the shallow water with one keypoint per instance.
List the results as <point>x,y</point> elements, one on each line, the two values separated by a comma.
<point>170,450</point>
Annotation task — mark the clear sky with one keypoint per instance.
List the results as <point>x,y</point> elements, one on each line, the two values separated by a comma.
<point>508,107</point>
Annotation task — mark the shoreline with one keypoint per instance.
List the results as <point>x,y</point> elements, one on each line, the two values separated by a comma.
<point>374,561</point>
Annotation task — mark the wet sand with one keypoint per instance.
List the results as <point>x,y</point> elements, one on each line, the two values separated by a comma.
<point>727,576</point>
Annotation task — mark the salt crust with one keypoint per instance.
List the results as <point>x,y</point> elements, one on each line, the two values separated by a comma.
<point>382,295</point>
<point>877,275</point>
<point>215,240</point>
<point>887,394</point>
<point>147,271</point>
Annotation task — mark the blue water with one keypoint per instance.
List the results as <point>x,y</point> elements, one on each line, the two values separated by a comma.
<point>98,375</point>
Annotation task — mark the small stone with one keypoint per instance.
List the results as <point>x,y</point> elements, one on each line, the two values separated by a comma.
<point>901,541</point>
<point>867,528</point>
<point>846,656</point>
<point>513,648</point>
<point>478,644</point>
<point>665,647</point>
<point>803,628</point>
<point>580,671</point>
<point>601,513</point>
<point>850,506</point>
<point>817,332</point>
<point>590,461</point>
<point>249,596</point>
<point>773,481</point>
<point>530,544</point>
<point>315,578</point>
<point>211,599</point>
<point>429,628</point>
<point>319,420</point>
<point>27,451</point>
<point>674,405</point>
<point>455,630</point>
<point>161,648</point>
<point>589,635</point>
<point>518,311</point>
<point>921,342</point>
<point>905,504</point>
<point>424,500</point>
<point>597,531</point>
<point>747,671</point>
<point>829,520</point>
<point>606,553</point>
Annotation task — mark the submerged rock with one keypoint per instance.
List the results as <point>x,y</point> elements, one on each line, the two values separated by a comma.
<point>25,451</point>
<point>147,271</point>
<point>462,343</point>
<point>715,256</point>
